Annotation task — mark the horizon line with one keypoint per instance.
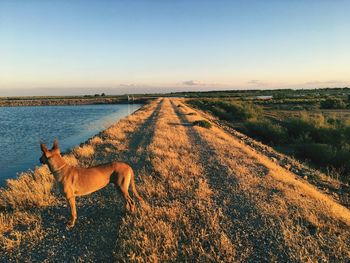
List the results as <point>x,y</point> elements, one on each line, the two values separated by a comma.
<point>98,91</point>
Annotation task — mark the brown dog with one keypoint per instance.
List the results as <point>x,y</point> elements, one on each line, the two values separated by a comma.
<point>77,181</point>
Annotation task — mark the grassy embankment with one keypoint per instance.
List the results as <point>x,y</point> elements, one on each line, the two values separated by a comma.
<point>208,197</point>
<point>323,141</point>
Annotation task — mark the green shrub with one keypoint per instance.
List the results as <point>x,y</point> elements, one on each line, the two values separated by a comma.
<point>221,113</point>
<point>299,130</point>
<point>320,154</point>
<point>202,123</point>
<point>317,129</point>
<point>333,103</point>
<point>297,107</point>
<point>266,131</point>
<point>229,110</point>
<point>325,155</point>
<point>240,111</point>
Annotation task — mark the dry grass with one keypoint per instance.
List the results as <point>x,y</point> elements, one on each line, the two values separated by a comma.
<point>31,189</point>
<point>183,222</point>
<point>19,227</point>
<point>293,207</point>
<point>22,198</point>
<point>85,151</point>
<point>207,197</point>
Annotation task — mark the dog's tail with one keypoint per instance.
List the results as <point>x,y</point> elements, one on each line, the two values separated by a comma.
<point>133,186</point>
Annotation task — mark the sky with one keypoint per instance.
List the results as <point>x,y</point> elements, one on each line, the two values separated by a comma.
<point>130,46</point>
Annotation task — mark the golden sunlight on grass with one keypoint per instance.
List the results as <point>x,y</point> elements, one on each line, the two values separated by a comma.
<point>84,151</point>
<point>180,223</point>
<point>207,197</point>
<point>299,210</point>
<point>21,197</point>
<point>32,189</point>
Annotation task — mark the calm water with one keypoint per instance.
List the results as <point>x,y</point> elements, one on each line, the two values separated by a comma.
<point>23,128</point>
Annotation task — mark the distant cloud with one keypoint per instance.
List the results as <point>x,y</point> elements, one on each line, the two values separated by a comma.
<point>191,83</point>
<point>257,82</point>
<point>127,85</point>
<point>328,82</point>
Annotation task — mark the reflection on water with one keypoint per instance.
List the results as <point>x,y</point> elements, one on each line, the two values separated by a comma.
<point>23,128</point>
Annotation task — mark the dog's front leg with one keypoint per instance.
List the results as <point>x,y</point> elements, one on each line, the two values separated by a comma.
<point>73,210</point>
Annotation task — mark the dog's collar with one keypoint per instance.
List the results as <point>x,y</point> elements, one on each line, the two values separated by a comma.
<point>60,168</point>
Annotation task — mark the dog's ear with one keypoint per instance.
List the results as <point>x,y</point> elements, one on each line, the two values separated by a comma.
<point>43,147</point>
<point>55,144</point>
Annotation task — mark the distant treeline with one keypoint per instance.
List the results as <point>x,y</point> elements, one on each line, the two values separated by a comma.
<point>276,93</point>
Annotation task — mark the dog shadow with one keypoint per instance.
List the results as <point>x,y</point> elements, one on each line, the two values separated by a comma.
<point>93,237</point>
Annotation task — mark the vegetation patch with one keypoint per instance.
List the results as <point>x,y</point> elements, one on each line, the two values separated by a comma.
<point>228,110</point>
<point>266,131</point>
<point>321,139</point>
<point>333,103</point>
<point>202,123</point>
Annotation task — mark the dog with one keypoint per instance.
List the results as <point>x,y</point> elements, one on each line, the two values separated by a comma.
<point>78,181</point>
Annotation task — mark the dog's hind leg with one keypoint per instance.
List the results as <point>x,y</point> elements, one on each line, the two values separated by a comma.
<point>129,203</point>
<point>124,188</point>
<point>133,187</point>
<point>122,182</point>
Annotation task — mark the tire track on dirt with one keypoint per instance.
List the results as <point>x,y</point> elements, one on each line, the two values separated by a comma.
<point>206,219</point>
<point>243,229</point>
<point>136,153</point>
<point>122,147</point>
<point>177,223</point>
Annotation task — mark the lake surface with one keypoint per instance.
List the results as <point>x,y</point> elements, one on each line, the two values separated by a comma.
<point>23,128</point>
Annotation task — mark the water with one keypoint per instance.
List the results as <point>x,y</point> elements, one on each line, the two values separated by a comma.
<point>23,128</point>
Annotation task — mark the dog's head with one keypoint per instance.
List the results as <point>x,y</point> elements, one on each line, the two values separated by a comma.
<point>48,154</point>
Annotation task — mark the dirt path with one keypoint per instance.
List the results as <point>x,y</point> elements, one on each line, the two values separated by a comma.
<point>208,197</point>
<point>244,218</point>
<point>277,216</point>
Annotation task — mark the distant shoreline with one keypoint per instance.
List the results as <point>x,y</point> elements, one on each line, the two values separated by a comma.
<point>62,101</point>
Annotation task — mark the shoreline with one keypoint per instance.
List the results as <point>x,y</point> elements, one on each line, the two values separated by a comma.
<point>23,102</point>
<point>71,142</point>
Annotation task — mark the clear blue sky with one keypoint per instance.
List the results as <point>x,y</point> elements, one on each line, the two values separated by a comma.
<point>162,45</point>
